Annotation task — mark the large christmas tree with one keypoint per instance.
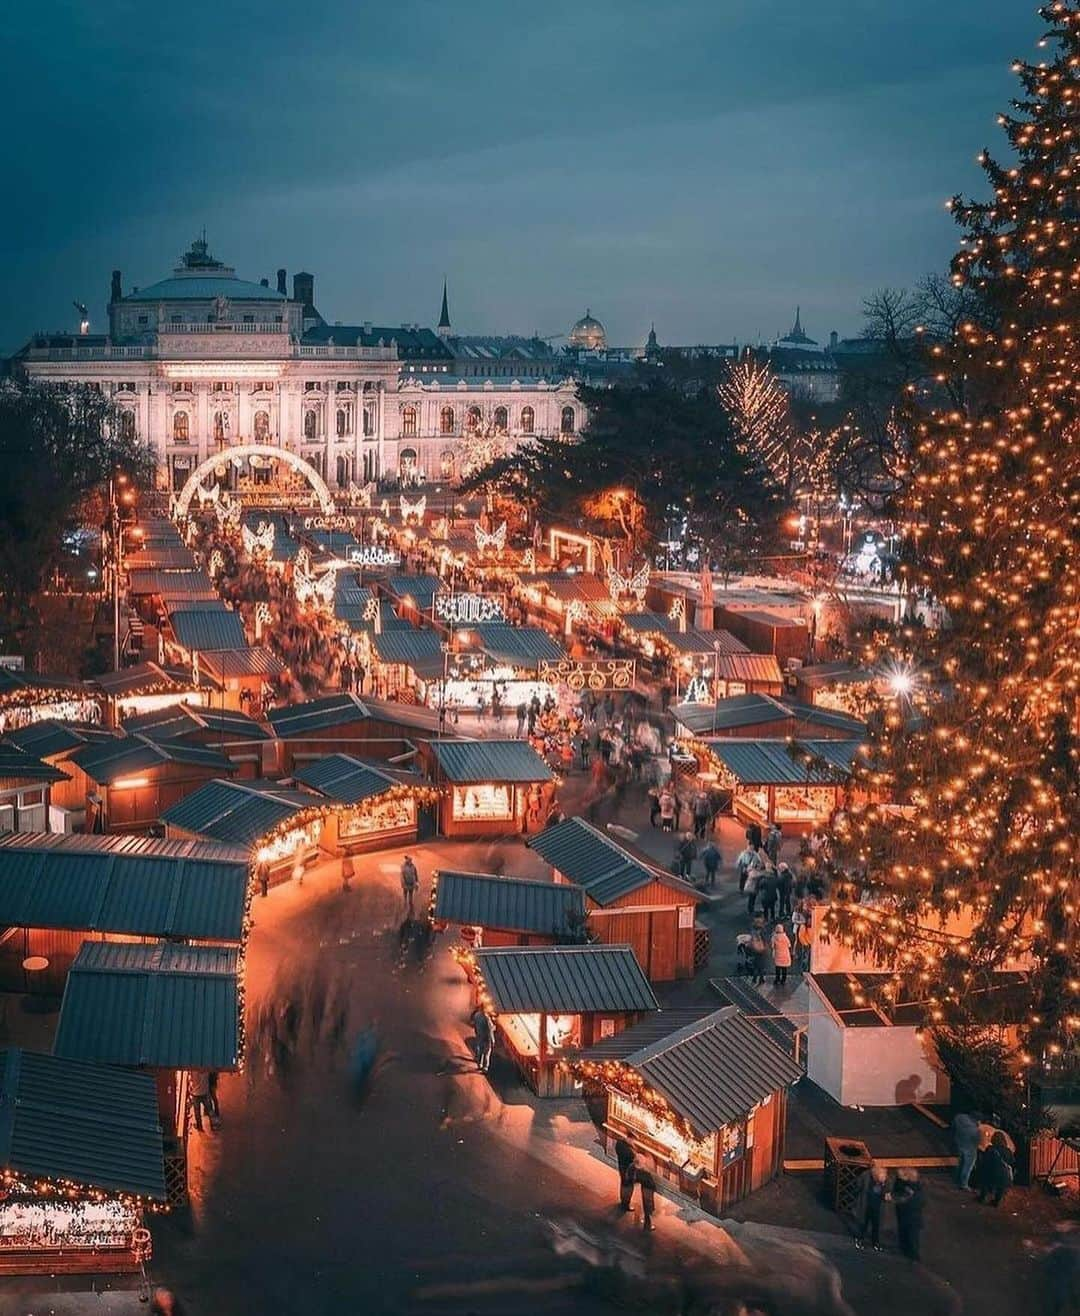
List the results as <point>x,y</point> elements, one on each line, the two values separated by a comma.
<point>969,861</point>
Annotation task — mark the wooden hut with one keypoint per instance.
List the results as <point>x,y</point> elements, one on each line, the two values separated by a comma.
<point>550,1001</point>
<point>370,806</point>
<point>795,783</point>
<point>506,911</point>
<point>768,632</point>
<point>27,697</point>
<point>493,787</point>
<point>838,685</point>
<point>236,735</point>
<point>337,723</point>
<point>54,742</point>
<point>630,902</point>
<point>25,786</point>
<point>242,675</point>
<point>702,1099</point>
<point>144,687</point>
<point>748,673</point>
<point>764,717</point>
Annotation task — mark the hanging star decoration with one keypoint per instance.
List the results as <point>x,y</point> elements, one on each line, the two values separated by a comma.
<point>413,510</point>
<point>637,584</point>
<point>494,542</point>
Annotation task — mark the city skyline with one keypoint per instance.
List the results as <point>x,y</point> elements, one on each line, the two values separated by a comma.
<point>540,173</point>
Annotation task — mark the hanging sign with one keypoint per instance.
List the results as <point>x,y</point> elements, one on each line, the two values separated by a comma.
<point>467,609</point>
<point>372,555</point>
<point>590,674</point>
<point>339,522</point>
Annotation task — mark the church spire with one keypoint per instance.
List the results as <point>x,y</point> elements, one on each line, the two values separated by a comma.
<point>444,314</point>
<point>797,331</point>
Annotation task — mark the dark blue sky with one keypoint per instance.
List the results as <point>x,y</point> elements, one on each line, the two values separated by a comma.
<point>703,163</point>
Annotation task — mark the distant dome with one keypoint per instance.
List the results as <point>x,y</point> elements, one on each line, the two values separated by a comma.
<point>588,332</point>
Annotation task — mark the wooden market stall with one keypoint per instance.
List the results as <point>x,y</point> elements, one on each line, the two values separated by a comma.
<point>490,910</point>
<point>767,632</point>
<point>246,677</point>
<point>551,1001</point>
<point>630,902</point>
<point>26,784</point>
<point>27,697</point>
<point>236,735</point>
<point>58,891</point>
<point>369,806</point>
<point>403,663</point>
<point>748,673</point>
<point>837,685</point>
<point>701,1097</point>
<point>54,742</point>
<point>337,723</point>
<point>144,687</point>
<point>492,787</point>
<point>755,716</point>
<point>81,1159</point>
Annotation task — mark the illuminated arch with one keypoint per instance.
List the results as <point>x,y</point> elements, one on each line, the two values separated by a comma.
<point>244,450</point>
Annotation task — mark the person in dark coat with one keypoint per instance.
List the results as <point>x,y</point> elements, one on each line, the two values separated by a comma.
<point>768,890</point>
<point>873,1189</point>
<point>996,1171</point>
<point>647,1184</point>
<point>907,1196</point>
<point>627,1161</point>
<point>710,857</point>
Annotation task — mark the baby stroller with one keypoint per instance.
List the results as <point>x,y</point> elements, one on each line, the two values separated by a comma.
<point>744,958</point>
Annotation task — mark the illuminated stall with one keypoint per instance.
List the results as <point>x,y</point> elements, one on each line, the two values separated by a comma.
<point>81,1160</point>
<point>492,787</point>
<point>26,697</point>
<point>25,790</point>
<point>701,1097</point>
<point>236,735</point>
<point>502,658</point>
<point>144,688</point>
<point>246,677</point>
<point>747,673</point>
<point>551,1001</point>
<point>369,806</point>
<point>765,717</point>
<point>337,723</point>
<point>856,691</point>
<point>54,742</point>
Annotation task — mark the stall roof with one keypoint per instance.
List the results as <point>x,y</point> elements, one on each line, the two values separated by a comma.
<point>348,780</point>
<point>91,1125</point>
<point>51,737</point>
<point>178,584</point>
<point>183,719</point>
<point>162,557</point>
<point>711,1072</point>
<point>523,646</point>
<point>771,762</point>
<point>516,904</point>
<point>856,998</point>
<point>237,812</point>
<point>592,860</point>
<point>721,642</point>
<point>106,762</point>
<point>247,660</point>
<point>207,628</point>
<point>143,678</point>
<point>421,589</point>
<point>565,979</point>
<point>12,681</point>
<point>736,711</point>
<point>323,714</point>
<point>16,763</point>
<point>589,589</point>
<point>420,650</point>
<point>749,667</point>
<point>838,673</point>
<point>130,886</point>
<point>490,760</point>
<point>648,623</point>
<point>158,1005</point>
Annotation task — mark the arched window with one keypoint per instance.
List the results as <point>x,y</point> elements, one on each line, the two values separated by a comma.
<point>446,464</point>
<point>261,426</point>
<point>408,427</point>
<point>473,417</point>
<point>180,427</point>
<point>221,426</point>
<point>342,422</point>
<point>311,424</point>
<point>567,426</point>
<point>446,420</point>
<point>407,463</point>
<point>369,420</point>
<point>501,419</point>
<point>528,420</point>
<point>343,472</point>
<point>127,425</point>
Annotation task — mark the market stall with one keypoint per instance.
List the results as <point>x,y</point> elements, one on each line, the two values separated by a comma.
<point>702,1099</point>
<point>143,688</point>
<point>492,787</point>
<point>489,910</point>
<point>551,1001</point>
<point>338,723</point>
<point>26,783</point>
<point>747,673</point>
<point>245,677</point>
<point>369,806</point>
<point>80,1163</point>
<point>27,697</point>
<point>755,716</point>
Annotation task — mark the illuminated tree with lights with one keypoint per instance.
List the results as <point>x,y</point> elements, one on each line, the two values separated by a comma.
<point>757,408</point>
<point>973,867</point>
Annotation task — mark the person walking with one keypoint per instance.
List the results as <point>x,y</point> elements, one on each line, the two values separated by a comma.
<point>997,1170</point>
<point>965,1130</point>
<point>750,886</point>
<point>785,886</point>
<point>701,815</point>
<point>772,843</point>
<point>687,855</point>
<point>710,858</point>
<point>348,871</point>
<point>768,889</point>
<point>667,810</point>
<point>873,1190</point>
<point>907,1198</point>
<point>647,1184</point>
<point>781,955</point>
<point>410,880</point>
<point>212,1103</point>
<point>626,1158</point>
<point>521,714</point>
<point>743,864</point>
<point>199,1089</point>
<point>758,951</point>
<point>484,1028</point>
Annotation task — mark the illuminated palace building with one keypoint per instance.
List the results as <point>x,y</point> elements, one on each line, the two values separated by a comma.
<point>203,362</point>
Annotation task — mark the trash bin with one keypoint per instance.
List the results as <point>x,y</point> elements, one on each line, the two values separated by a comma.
<point>845,1160</point>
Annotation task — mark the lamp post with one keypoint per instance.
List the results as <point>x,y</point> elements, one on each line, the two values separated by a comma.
<point>447,650</point>
<point>116,529</point>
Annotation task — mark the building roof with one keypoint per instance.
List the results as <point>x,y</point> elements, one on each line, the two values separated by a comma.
<point>592,860</point>
<point>249,660</point>
<point>323,714</point>
<point>203,288</point>
<point>521,646</point>
<point>565,979</point>
<point>347,780</point>
<point>158,1005</point>
<point>838,673</point>
<point>123,885</point>
<point>163,557</point>
<point>711,1072</point>
<point>490,760</point>
<point>812,715</point>
<point>786,763</point>
<point>51,737</point>
<point>413,342</point>
<point>176,584</point>
<point>17,764</point>
<point>858,1001</point>
<point>515,904</point>
<point>722,642</point>
<point>15,681</point>
<point>570,585</point>
<point>178,720</point>
<point>235,812</point>
<point>108,761</point>
<point>143,678</point>
<point>736,711</point>
<point>207,628</point>
<point>90,1125</point>
<point>749,667</point>
<point>420,650</point>
<point>648,623</point>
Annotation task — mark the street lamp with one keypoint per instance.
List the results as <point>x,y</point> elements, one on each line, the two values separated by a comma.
<point>447,650</point>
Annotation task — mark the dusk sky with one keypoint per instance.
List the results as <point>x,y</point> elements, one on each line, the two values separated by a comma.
<point>706,164</point>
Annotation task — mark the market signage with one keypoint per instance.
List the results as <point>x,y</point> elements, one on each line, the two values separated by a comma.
<point>591,674</point>
<point>467,609</point>
<point>372,555</point>
<point>339,522</point>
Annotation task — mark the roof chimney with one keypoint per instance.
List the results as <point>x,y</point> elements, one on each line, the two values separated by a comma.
<point>834,339</point>
<point>264,283</point>
<point>115,292</point>
<point>303,286</point>
<point>282,285</point>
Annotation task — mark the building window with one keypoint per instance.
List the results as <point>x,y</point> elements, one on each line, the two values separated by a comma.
<point>528,420</point>
<point>127,425</point>
<point>180,427</point>
<point>311,424</point>
<point>343,472</point>
<point>369,422</point>
<point>311,386</point>
<point>343,422</point>
<point>278,319</point>
<point>408,427</point>
<point>446,420</point>
<point>221,426</point>
<point>181,388</point>
<point>473,418</point>
<point>567,425</point>
<point>446,464</point>
<point>144,319</point>
<point>501,419</point>
<point>249,319</point>
<point>345,387</point>
<point>223,388</point>
<point>125,387</point>
<point>261,426</point>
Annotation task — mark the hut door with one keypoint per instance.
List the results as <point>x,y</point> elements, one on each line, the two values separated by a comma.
<point>766,1150</point>
<point>663,945</point>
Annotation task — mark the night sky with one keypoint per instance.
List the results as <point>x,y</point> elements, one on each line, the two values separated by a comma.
<point>706,164</point>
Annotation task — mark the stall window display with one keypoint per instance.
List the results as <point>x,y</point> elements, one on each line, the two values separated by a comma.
<point>290,843</point>
<point>63,710</point>
<point>804,803</point>
<point>388,816</point>
<point>483,800</point>
<point>680,1149</point>
<point>29,1223</point>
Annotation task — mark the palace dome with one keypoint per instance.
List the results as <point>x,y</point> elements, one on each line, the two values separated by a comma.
<point>588,332</point>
